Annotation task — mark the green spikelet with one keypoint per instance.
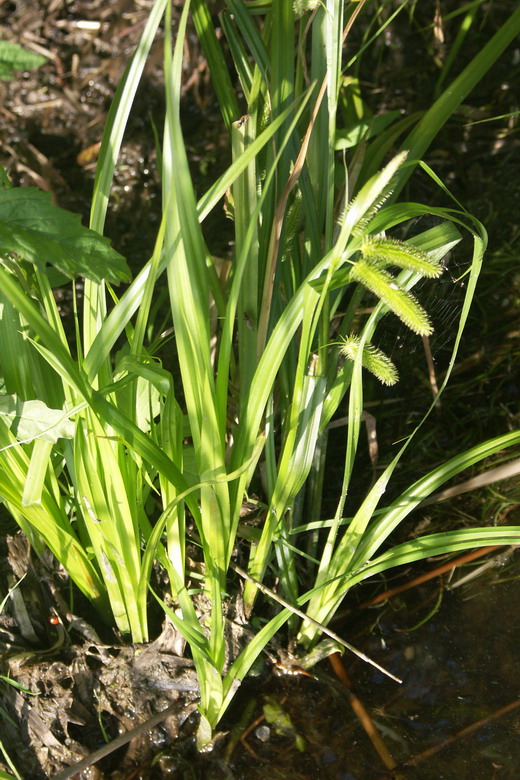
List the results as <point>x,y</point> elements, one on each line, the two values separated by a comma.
<point>301,7</point>
<point>265,118</point>
<point>401,302</point>
<point>294,218</point>
<point>362,225</point>
<point>390,251</point>
<point>374,360</point>
<point>372,196</point>
<point>293,223</point>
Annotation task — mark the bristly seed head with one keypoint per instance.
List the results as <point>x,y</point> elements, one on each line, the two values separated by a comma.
<point>401,302</point>
<point>389,251</point>
<point>373,359</point>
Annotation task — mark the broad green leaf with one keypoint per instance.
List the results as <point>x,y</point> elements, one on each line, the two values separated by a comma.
<point>5,183</point>
<point>15,57</point>
<point>39,231</point>
<point>30,420</point>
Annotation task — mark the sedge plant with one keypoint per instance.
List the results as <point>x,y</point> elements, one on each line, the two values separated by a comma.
<point>94,438</point>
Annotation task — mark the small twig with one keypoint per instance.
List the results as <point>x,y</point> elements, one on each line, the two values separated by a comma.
<point>431,368</point>
<point>241,730</point>
<point>505,471</point>
<point>463,733</point>
<point>352,19</point>
<point>261,587</point>
<point>370,422</point>
<point>491,563</point>
<point>430,575</point>
<point>247,732</point>
<point>362,713</point>
<point>97,755</point>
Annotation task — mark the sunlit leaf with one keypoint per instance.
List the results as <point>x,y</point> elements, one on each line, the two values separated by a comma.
<point>15,57</point>
<point>33,227</point>
<point>30,420</point>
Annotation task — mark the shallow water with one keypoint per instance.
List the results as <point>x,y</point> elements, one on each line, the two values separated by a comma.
<point>458,669</point>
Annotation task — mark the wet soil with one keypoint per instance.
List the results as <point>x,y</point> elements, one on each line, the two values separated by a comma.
<point>457,658</point>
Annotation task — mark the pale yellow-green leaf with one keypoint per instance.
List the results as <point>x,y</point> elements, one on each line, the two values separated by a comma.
<point>30,420</point>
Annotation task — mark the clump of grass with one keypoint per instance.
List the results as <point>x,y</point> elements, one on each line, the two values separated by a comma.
<point>260,380</point>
